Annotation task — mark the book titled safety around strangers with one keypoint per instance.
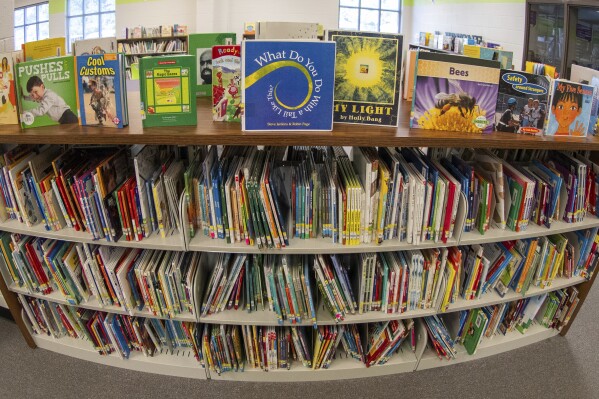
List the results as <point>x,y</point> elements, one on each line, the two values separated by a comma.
<point>166,88</point>
<point>367,76</point>
<point>288,85</point>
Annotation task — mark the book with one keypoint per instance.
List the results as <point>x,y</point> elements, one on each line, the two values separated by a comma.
<point>47,92</point>
<point>226,83</point>
<point>367,77</point>
<point>166,89</point>
<point>200,46</point>
<point>286,30</point>
<point>102,92</point>
<point>53,47</point>
<point>454,93</point>
<point>570,109</point>
<point>522,103</point>
<point>288,85</point>
<point>95,46</point>
<point>9,114</point>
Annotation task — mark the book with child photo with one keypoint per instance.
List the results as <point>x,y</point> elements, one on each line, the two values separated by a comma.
<point>570,109</point>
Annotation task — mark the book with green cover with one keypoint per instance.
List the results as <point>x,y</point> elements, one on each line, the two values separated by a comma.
<point>200,46</point>
<point>166,90</point>
<point>475,330</point>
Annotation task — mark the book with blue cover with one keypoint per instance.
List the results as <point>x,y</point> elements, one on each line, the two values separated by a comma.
<point>101,87</point>
<point>288,85</point>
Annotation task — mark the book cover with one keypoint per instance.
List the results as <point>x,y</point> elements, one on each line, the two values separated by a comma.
<point>570,109</point>
<point>288,85</point>
<point>286,30</point>
<point>226,82</point>
<point>47,92</point>
<point>454,93</point>
<point>95,46</point>
<point>522,102</point>
<point>367,77</point>
<point>166,89</point>
<point>200,46</point>
<point>8,99</point>
<point>54,47</point>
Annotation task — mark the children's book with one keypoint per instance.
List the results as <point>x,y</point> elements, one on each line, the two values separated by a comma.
<point>47,92</point>
<point>226,83</point>
<point>9,114</point>
<point>288,85</point>
<point>200,46</point>
<point>570,109</point>
<point>166,90</point>
<point>522,102</point>
<point>101,87</point>
<point>454,93</point>
<point>367,77</point>
<point>54,47</point>
<point>95,46</point>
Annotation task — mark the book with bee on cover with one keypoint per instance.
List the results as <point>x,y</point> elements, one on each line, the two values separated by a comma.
<point>367,77</point>
<point>454,93</point>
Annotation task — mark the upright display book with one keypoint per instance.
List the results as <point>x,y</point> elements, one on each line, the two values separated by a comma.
<point>200,46</point>
<point>522,102</point>
<point>54,47</point>
<point>570,110</point>
<point>102,93</point>
<point>454,93</point>
<point>47,92</point>
<point>166,89</point>
<point>226,82</point>
<point>367,77</point>
<point>95,46</point>
<point>9,114</point>
<point>288,85</point>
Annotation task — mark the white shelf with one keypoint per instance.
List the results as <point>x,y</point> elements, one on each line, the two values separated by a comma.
<point>179,364</point>
<point>323,316</point>
<point>171,243</point>
<point>493,298</point>
<point>93,304</point>
<point>533,230</point>
<point>498,344</point>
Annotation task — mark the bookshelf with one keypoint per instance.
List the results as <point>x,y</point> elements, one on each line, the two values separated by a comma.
<point>181,362</point>
<point>134,48</point>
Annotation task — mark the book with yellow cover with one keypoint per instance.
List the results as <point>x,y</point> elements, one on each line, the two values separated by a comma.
<point>53,47</point>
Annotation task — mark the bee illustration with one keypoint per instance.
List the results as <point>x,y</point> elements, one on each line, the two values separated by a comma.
<point>462,100</point>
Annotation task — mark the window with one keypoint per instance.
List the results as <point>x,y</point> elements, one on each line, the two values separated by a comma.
<point>89,19</point>
<point>370,15</point>
<point>31,24</point>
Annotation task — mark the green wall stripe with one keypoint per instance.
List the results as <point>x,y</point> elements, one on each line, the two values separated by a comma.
<point>57,6</point>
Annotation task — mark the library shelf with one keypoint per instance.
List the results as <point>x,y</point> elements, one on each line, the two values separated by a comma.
<point>151,38</point>
<point>156,53</point>
<point>177,363</point>
<point>488,347</point>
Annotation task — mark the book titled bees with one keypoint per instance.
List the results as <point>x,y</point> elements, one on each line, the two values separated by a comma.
<point>288,85</point>
<point>166,89</point>
<point>47,93</point>
<point>102,94</point>
<point>454,93</point>
<point>367,77</point>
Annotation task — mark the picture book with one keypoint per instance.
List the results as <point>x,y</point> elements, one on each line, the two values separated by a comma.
<point>367,77</point>
<point>226,82</point>
<point>166,89</point>
<point>200,46</point>
<point>588,76</point>
<point>95,46</point>
<point>288,85</point>
<point>522,102</point>
<point>101,88</point>
<point>47,92</point>
<point>454,93</point>
<point>54,47</point>
<point>570,109</point>
<point>9,114</point>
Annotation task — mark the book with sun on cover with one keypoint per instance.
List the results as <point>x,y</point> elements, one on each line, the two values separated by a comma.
<point>367,77</point>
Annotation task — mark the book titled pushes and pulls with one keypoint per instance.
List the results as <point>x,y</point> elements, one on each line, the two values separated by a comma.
<point>288,85</point>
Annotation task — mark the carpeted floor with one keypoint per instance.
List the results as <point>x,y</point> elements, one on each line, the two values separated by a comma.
<point>555,368</point>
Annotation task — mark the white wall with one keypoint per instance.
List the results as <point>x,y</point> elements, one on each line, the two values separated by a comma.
<point>6,25</point>
<point>496,22</point>
<point>156,13</point>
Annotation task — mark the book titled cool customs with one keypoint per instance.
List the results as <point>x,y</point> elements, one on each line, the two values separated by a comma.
<point>288,85</point>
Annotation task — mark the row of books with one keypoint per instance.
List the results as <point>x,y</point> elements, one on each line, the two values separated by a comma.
<point>149,47</point>
<point>171,284</point>
<point>96,190</point>
<point>468,328</point>
<point>138,32</point>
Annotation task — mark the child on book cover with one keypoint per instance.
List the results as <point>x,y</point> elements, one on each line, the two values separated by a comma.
<point>7,98</point>
<point>100,101</point>
<point>570,110</point>
<point>50,103</point>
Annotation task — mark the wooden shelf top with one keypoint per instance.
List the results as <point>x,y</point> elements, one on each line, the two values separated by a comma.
<point>209,132</point>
